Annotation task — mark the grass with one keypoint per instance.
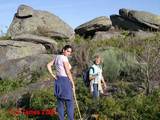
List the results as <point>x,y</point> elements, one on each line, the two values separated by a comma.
<point>113,107</point>
<point>119,106</point>
<point>13,84</point>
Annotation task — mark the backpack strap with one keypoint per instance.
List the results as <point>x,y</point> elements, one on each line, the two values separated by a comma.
<point>92,68</point>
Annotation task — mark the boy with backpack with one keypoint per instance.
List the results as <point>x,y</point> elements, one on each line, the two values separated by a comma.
<point>96,78</point>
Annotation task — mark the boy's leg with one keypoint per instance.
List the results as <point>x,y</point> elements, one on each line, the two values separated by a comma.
<point>95,91</point>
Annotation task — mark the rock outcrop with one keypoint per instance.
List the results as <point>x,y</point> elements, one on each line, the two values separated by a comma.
<point>149,19</point>
<point>125,24</point>
<point>49,43</point>
<point>28,20</point>
<point>23,67</point>
<point>17,49</point>
<point>97,24</point>
<point>136,20</point>
<point>102,28</point>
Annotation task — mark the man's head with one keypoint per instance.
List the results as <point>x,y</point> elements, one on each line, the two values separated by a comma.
<point>67,50</point>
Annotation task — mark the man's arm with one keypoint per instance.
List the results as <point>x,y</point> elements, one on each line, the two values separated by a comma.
<point>69,74</point>
<point>49,67</point>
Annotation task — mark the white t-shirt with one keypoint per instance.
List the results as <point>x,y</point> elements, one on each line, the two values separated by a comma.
<point>59,65</point>
<point>98,77</point>
<point>97,72</point>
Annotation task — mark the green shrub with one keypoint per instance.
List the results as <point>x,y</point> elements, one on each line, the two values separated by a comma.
<point>43,100</point>
<point>119,65</point>
<point>5,115</point>
<point>10,85</point>
<point>4,36</point>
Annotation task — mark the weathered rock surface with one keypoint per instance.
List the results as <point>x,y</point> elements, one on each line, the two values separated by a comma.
<point>34,39</point>
<point>98,24</point>
<point>149,19</point>
<point>126,24</point>
<point>28,20</point>
<point>136,20</point>
<point>49,43</point>
<point>23,67</point>
<point>17,49</point>
<point>24,11</point>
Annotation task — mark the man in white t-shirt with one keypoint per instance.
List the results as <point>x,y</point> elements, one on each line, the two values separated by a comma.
<point>64,87</point>
<point>96,77</point>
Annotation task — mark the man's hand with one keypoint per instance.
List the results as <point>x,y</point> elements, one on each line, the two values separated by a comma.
<point>55,78</point>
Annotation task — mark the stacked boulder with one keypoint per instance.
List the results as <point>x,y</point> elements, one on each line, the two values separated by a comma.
<point>30,21</point>
<point>33,36</point>
<point>136,20</point>
<point>90,28</point>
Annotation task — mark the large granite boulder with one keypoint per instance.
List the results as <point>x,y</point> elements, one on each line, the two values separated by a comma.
<point>89,28</point>
<point>49,43</point>
<point>126,24</point>
<point>149,19</point>
<point>16,49</point>
<point>136,20</point>
<point>23,67</point>
<point>28,20</point>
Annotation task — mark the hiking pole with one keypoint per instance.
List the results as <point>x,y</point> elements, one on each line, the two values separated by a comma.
<point>74,94</point>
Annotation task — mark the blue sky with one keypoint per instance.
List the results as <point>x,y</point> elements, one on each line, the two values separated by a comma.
<point>75,12</point>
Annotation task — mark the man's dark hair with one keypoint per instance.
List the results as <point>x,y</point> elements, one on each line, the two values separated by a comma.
<point>65,48</point>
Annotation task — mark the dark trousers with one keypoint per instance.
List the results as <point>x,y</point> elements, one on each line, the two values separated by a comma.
<point>95,91</point>
<point>69,106</point>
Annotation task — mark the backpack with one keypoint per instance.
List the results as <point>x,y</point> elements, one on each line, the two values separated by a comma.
<point>86,76</point>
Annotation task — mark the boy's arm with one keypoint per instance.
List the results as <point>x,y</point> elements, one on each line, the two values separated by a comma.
<point>92,77</point>
<point>104,83</point>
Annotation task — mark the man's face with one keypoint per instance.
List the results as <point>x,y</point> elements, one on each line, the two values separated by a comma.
<point>67,52</point>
